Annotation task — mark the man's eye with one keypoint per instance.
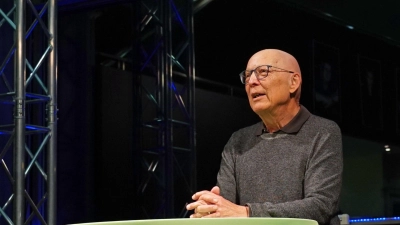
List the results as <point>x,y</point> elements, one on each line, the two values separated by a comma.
<point>263,72</point>
<point>248,73</point>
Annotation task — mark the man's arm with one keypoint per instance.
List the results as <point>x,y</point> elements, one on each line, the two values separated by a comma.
<point>226,177</point>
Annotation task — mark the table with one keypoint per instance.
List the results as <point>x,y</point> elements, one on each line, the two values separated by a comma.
<point>211,221</point>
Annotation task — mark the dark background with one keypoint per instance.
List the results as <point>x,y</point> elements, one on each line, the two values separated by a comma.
<point>227,33</point>
<point>94,171</point>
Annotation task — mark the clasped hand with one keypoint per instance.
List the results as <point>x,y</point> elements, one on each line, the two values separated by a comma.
<point>210,204</point>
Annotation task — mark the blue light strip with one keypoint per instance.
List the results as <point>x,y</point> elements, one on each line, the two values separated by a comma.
<point>366,220</point>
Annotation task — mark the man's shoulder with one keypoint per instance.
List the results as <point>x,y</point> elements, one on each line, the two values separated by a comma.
<point>246,134</point>
<point>319,122</point>
<point>251,129</point>
<point>242,138</point>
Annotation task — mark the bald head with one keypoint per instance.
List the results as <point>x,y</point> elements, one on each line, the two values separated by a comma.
<point>277,58</point>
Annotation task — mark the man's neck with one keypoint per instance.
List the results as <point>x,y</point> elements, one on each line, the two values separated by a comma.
<point>275,120</point>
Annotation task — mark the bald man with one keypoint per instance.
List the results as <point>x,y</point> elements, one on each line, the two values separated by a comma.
<point>287,165</point>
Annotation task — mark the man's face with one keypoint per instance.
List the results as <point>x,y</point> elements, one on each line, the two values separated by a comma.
<point>267,94</point>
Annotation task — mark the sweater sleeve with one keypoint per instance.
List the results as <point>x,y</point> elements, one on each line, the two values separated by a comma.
<point>226,175</point>
<point>322,184</point>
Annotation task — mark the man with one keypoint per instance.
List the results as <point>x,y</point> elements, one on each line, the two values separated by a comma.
<point>289,164</point>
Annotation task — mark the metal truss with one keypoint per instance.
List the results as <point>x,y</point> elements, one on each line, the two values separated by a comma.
<point>167,134</point>
<point>162,60</point>
<point>28,102</point>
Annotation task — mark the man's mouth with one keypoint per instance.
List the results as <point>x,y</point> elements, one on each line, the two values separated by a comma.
<point>256,95</point>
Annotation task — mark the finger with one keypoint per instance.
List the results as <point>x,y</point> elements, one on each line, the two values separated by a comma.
<point>216,190</point>
<point>197,215</point>
<point>198,194</point>
<point>209,198</point>
<point>212,215</point>
<point>193,205</point>
<point>206,209</point>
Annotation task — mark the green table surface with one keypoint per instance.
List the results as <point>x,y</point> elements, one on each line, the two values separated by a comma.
<point>212,221</point>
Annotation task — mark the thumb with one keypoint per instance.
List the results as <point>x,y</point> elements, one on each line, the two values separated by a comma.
<point>215,190</point>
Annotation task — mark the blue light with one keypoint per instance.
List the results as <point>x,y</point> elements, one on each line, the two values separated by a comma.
<point>31,127</point>
<point>172,85</point>
<point>363,220</point>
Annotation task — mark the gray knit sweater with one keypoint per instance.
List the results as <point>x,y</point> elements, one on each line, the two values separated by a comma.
<point>293,173</point>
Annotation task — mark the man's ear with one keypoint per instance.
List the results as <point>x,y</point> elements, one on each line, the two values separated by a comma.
<point>295,82</point>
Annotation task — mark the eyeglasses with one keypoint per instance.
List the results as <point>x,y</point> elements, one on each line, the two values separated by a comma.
<point>261,73</point>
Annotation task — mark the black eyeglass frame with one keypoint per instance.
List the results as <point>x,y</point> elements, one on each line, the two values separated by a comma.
<point>243,75</point>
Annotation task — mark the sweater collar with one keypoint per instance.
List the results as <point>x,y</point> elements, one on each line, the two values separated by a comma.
<point>293,126</point>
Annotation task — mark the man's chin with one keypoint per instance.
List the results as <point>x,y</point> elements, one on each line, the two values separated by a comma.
<point>258,109</point>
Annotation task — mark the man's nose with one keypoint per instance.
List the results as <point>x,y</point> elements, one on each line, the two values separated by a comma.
<point>253,78</point>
